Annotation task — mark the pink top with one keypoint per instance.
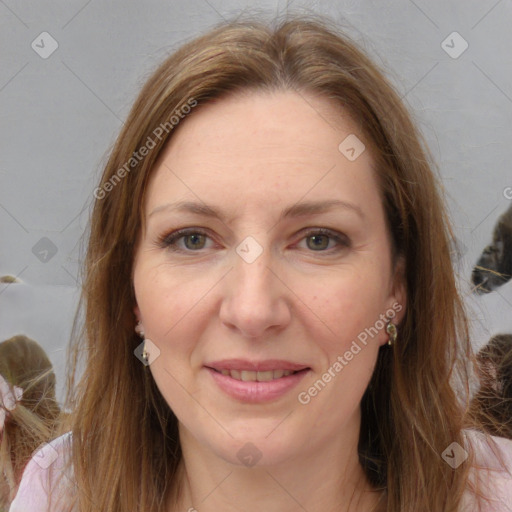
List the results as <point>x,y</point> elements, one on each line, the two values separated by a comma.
<point>39,489</point>
<point>47,464</point>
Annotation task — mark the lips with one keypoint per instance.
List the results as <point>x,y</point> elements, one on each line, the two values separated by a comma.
<point>256,381</point>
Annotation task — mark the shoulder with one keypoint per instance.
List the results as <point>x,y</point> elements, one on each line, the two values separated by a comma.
<point>491,451</point>
<point>491,471</point>
<point>44,478</point>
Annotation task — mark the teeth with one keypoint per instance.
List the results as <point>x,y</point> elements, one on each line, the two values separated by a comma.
<point>252,376</point>
<point>248,376</point>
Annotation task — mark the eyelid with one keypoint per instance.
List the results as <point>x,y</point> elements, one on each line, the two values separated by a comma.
<point>170,239</point>
<point>342,240</point>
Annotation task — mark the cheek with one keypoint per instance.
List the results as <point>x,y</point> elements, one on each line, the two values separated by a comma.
<point>171,305</point>
<point>348,306</point>
<point>167,299</point>
<point>349,337</point>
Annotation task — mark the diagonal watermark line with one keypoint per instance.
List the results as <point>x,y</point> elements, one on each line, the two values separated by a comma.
<point>402,97</point>
<point>425,14</point>
<point>213,8</point>
<point>73,484</point>
<point>92,92</point>
<point>75,15</point>
<point>476,227</point>
<point>199,403</point>
<point>14,218</point>
<point>13,13</point>
<point>216,487</point>
<point>333,333</point>
<point>492,81</point>
<point>313,108</point>
<point>75,279</point>
<point>307,192</point>
<point>170,170</point>
<point>285,490</point>
<point>419,81</point>
<point>75,217</point>
<point>13,77</point>
<point>288,5</point>
<point>198,301</point>
<point>280,423</point>
<point>498,292</point>
<point>16,276</point>
<point>485,15</point>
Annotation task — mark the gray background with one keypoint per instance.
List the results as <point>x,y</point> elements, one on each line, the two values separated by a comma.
<point>60,116</point>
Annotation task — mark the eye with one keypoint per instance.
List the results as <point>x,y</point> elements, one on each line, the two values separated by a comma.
<point>193,240</point>
<point>320,239</point>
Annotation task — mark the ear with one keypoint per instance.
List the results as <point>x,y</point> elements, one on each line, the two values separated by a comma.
<point>136,312</point>
<point>398,291</point>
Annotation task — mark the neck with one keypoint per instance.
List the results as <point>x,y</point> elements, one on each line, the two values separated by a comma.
<point>323,479</point>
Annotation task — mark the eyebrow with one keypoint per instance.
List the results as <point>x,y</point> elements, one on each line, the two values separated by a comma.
<point>296,210</point>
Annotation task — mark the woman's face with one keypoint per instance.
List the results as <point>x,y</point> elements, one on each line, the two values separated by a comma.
<point>285,266</point>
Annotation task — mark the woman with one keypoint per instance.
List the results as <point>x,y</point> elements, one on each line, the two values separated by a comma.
<point>29,412</point>
<point>268,223</point>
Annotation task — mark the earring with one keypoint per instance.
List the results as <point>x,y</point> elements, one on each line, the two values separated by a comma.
<point>145,353</point>
<point>139,329</point>
<point>391,330</point>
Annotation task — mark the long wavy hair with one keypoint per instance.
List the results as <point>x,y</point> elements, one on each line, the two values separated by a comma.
<point>36,417</point>
<point>126,452</point>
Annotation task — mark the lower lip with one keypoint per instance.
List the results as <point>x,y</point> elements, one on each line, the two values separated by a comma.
<point>255,392</point>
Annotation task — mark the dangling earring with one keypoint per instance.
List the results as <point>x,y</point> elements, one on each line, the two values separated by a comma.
<point>145,353</point>
<point>391,330</point>
<point>140,331</point>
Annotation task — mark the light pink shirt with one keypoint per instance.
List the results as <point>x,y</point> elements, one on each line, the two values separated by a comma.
<point>37,486</point>
<point>40,488</point>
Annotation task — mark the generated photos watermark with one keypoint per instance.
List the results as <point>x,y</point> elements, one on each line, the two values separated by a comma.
<point>454,455</point>
<point>304,397</point>
<point>144,150</point>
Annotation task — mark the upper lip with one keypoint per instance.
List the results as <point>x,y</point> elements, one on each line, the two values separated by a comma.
<point>256,366</point>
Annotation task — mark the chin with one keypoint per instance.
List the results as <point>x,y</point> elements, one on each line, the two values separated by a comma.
<point>259,452</point>
<point>261,445</point>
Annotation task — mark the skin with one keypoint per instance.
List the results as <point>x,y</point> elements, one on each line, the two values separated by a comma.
<point>252,155</point>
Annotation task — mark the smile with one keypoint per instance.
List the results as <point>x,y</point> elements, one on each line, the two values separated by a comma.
<point>252,376</point>
<point>256,382</point>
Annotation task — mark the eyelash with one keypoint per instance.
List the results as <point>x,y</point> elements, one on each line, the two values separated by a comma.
<point>168,241</point>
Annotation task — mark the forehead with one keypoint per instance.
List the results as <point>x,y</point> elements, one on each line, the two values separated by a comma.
<point>263,147</point>
<point>251,119</point>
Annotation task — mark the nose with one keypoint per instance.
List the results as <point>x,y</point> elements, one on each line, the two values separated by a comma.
<point>255,299</point>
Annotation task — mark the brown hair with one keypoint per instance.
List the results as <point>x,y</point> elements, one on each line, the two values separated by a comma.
<point>35,418</point>
<point>492,404</point>
<point>410,411</point>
